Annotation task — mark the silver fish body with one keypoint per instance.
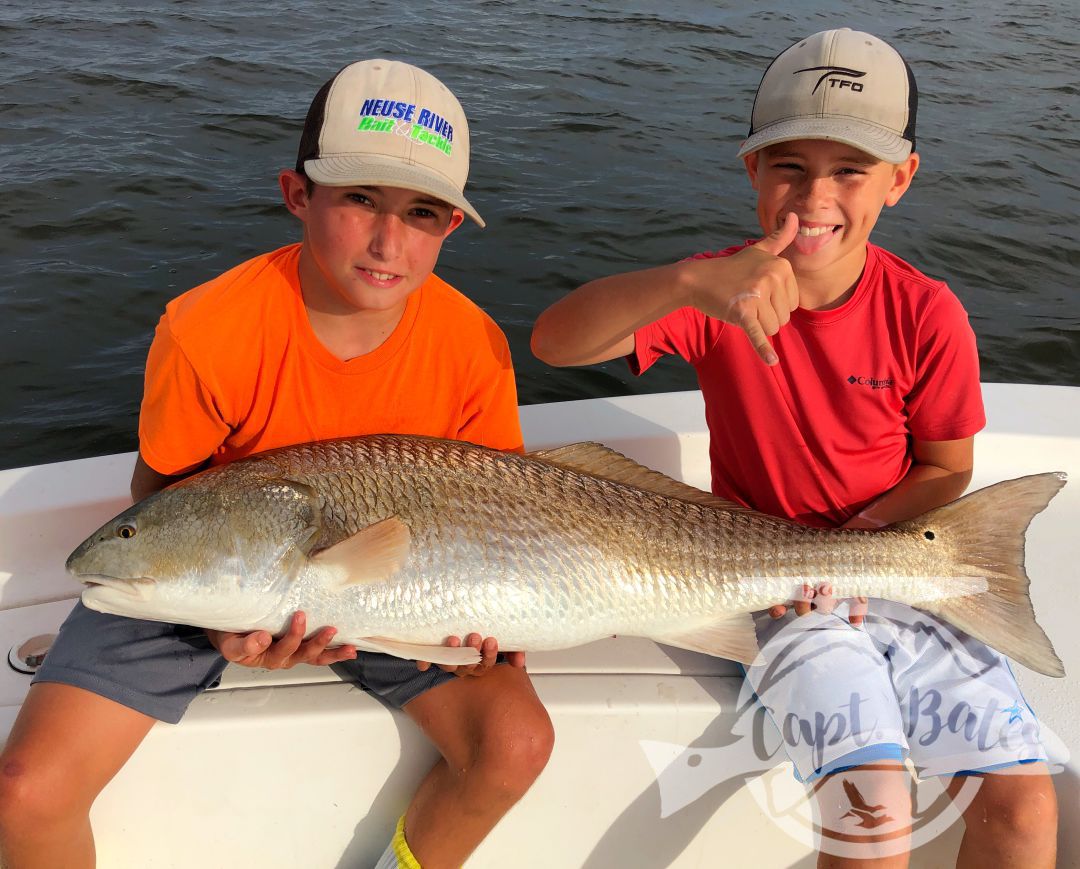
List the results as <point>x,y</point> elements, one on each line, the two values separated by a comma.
<point>402,541</point>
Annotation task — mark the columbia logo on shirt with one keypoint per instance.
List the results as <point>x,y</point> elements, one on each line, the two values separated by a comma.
<point>872,382</point>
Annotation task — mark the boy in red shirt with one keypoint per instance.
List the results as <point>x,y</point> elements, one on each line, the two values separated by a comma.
<point>841,389</point>
<point>345,333</point>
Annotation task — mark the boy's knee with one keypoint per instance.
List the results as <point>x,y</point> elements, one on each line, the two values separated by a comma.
<point>515,750</point>
<point>1023,806</point>
<point>28,796</point>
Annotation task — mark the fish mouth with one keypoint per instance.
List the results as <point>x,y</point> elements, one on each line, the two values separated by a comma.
<point>134,588</point>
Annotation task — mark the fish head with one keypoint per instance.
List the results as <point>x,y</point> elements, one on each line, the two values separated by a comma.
<point>214,550</point>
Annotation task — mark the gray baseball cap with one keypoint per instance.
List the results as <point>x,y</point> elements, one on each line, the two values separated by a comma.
<point>842,85</point>
<point>387,122</point>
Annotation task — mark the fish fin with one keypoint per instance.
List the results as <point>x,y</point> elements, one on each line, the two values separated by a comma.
<point>732,637</point>
<point>601,461</point>
<point>449,655</point>
<point>372,554</point>
<point>986,532</point>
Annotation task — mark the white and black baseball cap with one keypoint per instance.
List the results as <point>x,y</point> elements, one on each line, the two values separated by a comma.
<point>842,85</point>
<point>390,123</point>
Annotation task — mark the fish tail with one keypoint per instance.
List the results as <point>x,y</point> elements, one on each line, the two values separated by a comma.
<point>986,533</point>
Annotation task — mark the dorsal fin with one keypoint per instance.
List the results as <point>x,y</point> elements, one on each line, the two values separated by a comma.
<point>600,461</point>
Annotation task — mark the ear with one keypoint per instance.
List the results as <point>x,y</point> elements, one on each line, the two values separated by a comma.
<point>751,163</point>
<point>901,180</point>
<point>294,192</point>
<point>456,219</point>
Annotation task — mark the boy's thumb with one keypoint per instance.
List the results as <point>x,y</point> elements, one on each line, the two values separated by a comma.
<point>778,240</point>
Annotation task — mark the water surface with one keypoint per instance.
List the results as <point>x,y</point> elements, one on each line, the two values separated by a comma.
<point>142,140</point>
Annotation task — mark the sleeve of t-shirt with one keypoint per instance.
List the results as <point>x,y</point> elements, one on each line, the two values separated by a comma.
<point>680,333</point>
<point>686,332</point>
<point>491,407</point>
<point>946,401</point>
<point>180,425</point>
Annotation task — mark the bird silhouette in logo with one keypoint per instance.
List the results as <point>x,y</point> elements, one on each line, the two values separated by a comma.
<point>869,816</point>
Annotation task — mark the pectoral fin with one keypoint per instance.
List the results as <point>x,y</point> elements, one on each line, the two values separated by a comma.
<point>372,554</point>
<point>448,655</point>
<point>731,637</point>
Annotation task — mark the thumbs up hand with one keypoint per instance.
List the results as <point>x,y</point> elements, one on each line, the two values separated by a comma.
<point>754,289</point>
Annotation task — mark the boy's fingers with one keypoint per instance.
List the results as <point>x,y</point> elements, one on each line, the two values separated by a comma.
<point>757,337</point>
<point>824,602</point>
<point>777,241</point>
<point>777,611</point>
<point>239,647</point>
<point>453,643</point>
<point>802,604</point>
<point>284,648</point>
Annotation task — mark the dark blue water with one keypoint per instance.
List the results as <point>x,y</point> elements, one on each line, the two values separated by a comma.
<point>141,143</point>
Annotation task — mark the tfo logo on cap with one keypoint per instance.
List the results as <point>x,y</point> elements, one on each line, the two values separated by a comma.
<point>839,77</point>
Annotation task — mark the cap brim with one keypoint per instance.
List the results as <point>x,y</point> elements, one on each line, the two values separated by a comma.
<point>874,140</point>
<point>347,171</point>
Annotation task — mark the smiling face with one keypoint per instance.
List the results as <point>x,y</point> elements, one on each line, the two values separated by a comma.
<point>837,192</point>
<point>366,249</point>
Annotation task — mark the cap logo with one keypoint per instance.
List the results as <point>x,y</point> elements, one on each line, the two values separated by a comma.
<point>402,119</point>
<point>838,77</point>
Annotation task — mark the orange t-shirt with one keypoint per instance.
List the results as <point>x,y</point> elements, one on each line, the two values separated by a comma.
<point>235,368</point>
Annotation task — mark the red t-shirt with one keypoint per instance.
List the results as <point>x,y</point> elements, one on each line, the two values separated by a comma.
<point>235,368</point>
<point>827,430</point>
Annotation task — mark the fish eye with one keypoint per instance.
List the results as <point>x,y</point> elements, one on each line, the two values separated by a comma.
<point>125,531</point>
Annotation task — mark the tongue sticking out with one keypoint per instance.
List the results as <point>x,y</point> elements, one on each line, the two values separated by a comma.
<point>812,239</point>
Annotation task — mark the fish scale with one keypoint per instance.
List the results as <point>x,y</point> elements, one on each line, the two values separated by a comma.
<point>401,541</point>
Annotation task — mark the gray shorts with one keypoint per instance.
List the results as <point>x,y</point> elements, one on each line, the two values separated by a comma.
<point>158,668</point>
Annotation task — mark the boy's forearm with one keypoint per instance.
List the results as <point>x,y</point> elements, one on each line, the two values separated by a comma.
<point>597,321</point>
<point>941,473</point>
<point>145,480</point>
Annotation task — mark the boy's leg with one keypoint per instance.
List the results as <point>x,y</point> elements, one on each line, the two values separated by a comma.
<point>103,683</point>
<point>65,746</point>
<point>849,805</point>
<point>1012,821</point>
<point>828,690</point>
<point>495,738</point>
<point>964,711</point>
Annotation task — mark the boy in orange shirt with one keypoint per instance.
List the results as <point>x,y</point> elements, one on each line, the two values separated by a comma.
<point>345,333</point>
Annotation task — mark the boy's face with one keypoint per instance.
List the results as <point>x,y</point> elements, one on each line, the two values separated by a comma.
<point>369,247</point>
<point>836,191</point>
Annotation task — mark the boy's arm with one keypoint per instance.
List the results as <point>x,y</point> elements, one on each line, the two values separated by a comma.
<point>145,480</point>
<point>940,474</point>
<point>754,289</point>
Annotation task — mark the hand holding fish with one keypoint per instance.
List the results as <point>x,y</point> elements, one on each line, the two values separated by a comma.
<point>259,649</point>
<point>821,600</point>
<point>489,652</point>
<point>756,290</point>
